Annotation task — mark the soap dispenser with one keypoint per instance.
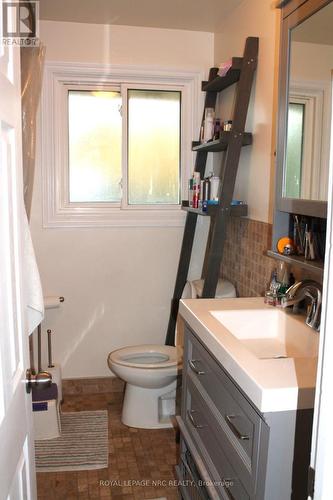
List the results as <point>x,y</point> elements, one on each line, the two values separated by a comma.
<point>271,295</point>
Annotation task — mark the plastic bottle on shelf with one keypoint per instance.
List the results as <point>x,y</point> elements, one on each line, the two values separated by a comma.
<point>214,187</point>
<point>190,192</point>
<point>208,132</point>
<point>196,189</point>
<point>217,129</point>
<point>205,189</point>
<point>227,125</point>
<point>201,198</point>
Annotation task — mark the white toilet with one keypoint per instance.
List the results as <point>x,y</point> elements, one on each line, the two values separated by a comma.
<point>151,372</point>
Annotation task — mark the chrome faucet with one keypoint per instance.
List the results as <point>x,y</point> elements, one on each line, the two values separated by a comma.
<point>306,289</point>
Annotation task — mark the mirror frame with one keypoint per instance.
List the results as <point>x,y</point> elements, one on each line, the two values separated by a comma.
<point>293,14</point>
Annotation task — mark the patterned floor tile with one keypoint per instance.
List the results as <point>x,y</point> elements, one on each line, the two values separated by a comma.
<point>141,461</point>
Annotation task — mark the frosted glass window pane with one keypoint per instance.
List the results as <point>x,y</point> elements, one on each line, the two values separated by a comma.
<point>153,147</point>
<point>94,146</point>
<point>294,157</point>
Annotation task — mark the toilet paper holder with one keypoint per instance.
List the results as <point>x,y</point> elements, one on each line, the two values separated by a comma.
<point>53,302</point>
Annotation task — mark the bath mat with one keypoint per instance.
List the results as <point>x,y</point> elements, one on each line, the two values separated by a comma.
<point>83,444</point>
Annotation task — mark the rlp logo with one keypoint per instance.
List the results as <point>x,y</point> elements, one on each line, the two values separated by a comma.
<point>19,19</point>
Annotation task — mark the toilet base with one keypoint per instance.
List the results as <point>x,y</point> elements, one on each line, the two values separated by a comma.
<point>141,407</point>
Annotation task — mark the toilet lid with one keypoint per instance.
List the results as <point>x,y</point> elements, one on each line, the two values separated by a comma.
<point>147,356</point>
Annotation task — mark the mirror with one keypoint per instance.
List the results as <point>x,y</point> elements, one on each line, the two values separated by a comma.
<point>309,101</point>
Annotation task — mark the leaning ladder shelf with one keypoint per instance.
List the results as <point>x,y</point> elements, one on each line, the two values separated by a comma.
<point>241,72</point>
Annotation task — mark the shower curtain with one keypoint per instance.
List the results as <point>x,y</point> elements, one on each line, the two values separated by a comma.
<point>32,63</point>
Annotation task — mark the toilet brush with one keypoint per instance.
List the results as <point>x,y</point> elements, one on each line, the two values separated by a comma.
<point>54,369</point>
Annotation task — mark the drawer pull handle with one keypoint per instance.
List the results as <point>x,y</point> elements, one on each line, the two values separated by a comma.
<point>192,420</point>
<point>239,435</point>
<point>194,368</point>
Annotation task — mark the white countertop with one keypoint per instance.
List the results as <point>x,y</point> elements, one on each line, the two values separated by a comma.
<point>271,384</point>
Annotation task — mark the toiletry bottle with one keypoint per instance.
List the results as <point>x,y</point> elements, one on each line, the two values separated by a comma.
<point>214,187</point>
<point>190,192</point>
<point>196,189</point>
<point>217,129</point>
<point>271,295</point>
<point>227,125</point>
<point>202,133</point>
<point>209,124</point>
<point>283,276</point>
<point>205,191</point>
<point>201,192</point>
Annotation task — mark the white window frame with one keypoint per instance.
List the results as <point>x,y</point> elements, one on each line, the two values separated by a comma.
<point>315,142</point>
<point>58,79</point>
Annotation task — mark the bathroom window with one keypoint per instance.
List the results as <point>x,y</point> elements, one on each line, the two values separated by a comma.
<point>294,156</point>
<point>152,140</point>
<point>94,146</point>
<point>116,153</point>
<point>153,164</point>
<point>306,141</point>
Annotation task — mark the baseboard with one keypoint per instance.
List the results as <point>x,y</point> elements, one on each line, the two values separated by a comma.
<point>96,385</point>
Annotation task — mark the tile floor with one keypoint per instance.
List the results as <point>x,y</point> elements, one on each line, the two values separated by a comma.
<point>141,462</point>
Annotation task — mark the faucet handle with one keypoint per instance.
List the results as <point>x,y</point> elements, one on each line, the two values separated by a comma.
<point>301,290</point>
<point>313,316</point>
<point>292,290</point>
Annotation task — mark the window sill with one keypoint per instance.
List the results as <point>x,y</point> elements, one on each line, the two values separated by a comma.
<point>114,217</point>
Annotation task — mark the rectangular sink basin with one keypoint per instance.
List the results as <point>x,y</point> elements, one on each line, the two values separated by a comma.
<point>270,333</point>
<point>269,352</point>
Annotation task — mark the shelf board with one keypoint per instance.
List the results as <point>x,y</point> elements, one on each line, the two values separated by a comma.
<point>315,266</point>
<point>222,82</point>
<point>236,210</point>
<point>220,144</point>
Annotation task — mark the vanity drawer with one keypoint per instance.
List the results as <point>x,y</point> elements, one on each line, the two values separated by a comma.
<point>205,434</point>
<point>241,431</point>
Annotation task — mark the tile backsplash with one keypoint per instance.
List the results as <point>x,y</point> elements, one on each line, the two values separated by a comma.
<point>244,261</point>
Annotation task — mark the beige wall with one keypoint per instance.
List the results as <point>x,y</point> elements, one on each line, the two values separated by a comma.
<point>312,62</point>
<point>117,282</point>
<point>256,169</point>
<point>127,45</point>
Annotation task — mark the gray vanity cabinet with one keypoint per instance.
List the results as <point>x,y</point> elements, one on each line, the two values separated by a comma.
<point>228,448</point>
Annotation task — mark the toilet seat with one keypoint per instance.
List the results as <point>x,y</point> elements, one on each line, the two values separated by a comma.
<point>147,356</point>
